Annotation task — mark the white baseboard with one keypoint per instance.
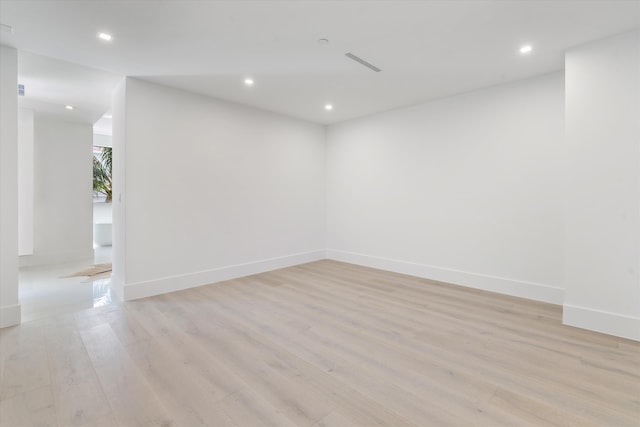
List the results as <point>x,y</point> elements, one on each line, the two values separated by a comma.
<point>117,286</point>
<point>9,315</point>
<point>164,285</point>
<point>518,288</point>
<point>601,321</point>
<point>55,258</point>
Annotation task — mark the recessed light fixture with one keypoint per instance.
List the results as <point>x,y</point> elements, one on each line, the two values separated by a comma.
<point>526,49</point>
<point>323,41</point>
<point>328,107</point>
<point>105,36</point>
<point>248,82</point>
<point>69,107</point>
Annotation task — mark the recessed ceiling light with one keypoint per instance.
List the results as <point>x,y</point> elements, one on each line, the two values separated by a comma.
<point>248,82</point>
<point>323,41</point>
<point>104,36</point>
<point>526,49</point>
<point>69,107</point>
<point>328,107</point>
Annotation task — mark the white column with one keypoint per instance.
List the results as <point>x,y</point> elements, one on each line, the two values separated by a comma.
<point>602,211</point>
<point>9,304</point>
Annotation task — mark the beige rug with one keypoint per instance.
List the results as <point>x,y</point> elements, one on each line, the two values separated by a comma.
<point>96,272</point>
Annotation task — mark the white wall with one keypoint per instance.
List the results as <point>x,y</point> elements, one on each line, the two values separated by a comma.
<point>466,190</point>
<point>118,254</point>
<point>63,229</point>
<point>9,304</point>
<point>215,190</point>
<point>603,186</point>
<point>25,182</point>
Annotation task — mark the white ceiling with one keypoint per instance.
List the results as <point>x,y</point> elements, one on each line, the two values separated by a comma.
<point>426,49</point>
<point>51,84</point>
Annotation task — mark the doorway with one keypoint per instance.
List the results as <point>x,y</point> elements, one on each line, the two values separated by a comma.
<point>59,111</point>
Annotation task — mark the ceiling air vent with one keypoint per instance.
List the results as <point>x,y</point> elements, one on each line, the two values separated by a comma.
<point>21,90</point>
<point>362,62</point>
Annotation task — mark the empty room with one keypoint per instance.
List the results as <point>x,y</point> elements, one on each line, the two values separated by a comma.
<point>320,213</point>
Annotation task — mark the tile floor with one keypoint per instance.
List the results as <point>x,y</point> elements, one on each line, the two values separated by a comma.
<point>45,291</point>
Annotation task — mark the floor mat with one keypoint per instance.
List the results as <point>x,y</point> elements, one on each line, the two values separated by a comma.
<point>98,270</point>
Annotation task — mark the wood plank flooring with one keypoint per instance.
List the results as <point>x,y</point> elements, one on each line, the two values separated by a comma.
<point>322,344</point>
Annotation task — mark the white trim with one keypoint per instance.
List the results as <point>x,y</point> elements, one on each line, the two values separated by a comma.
<point>513,287</point>
<point>117,286</point>
<point>602,321</point>
<point>164,285</point>
<point>9,315</point>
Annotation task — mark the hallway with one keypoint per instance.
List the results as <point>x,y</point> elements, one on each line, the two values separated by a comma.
<point>47,291</point>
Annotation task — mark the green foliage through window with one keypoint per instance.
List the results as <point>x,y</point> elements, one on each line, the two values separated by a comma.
<point>102,166</point>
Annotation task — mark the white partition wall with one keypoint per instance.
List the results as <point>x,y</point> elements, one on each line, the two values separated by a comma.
<point>9,304</point>
<point>118,255</point>
<point>602,215</point>
<point>211,190</point>
<point>63,229</point>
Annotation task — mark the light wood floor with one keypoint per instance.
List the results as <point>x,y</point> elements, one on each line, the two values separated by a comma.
<point>322,344</point>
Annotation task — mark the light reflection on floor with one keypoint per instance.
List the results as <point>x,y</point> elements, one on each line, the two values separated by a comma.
<point>102,292</point>
<point>46,291</point>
